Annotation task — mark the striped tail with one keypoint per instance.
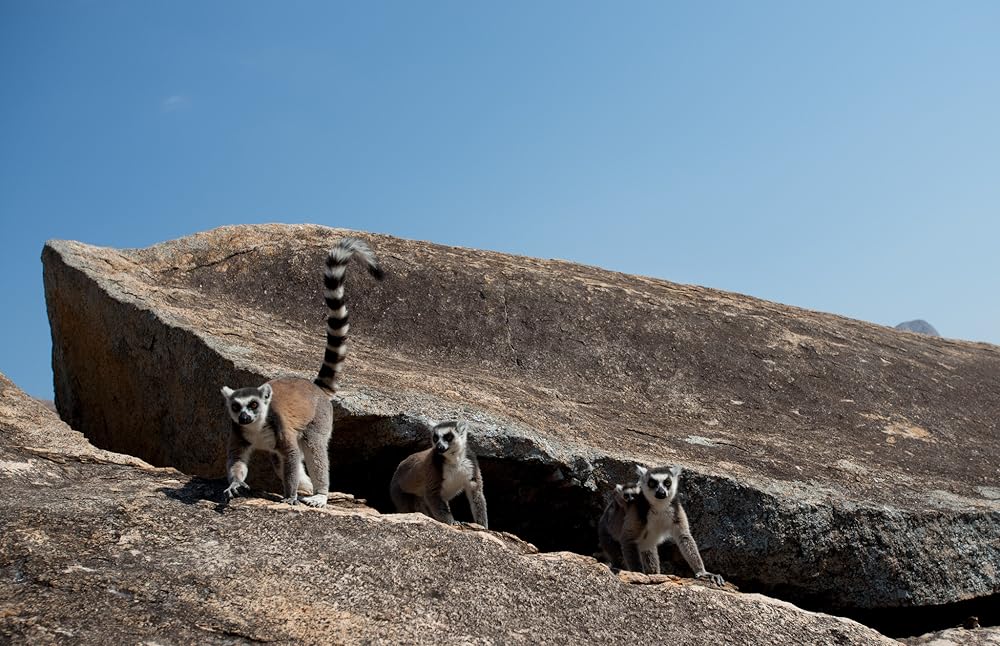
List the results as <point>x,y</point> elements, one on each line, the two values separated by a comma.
<point>336,324</point>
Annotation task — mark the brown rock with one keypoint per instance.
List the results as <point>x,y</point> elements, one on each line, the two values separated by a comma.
<point>832,460</point>
<point>958,637</point>
<point>638,578</point>
<point>99,548</point>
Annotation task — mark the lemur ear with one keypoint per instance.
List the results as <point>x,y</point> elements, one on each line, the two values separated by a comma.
<point>462,427</point>
<point>227,392</point>
<point>675,471</point>
<point>640,471</point>
<point>265,392</point>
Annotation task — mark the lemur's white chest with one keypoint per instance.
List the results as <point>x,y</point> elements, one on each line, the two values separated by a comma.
<point>456,476</point>
<point>659,523</point>
<point>260,436</point>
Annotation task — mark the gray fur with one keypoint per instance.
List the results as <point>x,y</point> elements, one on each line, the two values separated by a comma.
<point>630,530</point>
<point>426,481</point>
<point>258,424</point>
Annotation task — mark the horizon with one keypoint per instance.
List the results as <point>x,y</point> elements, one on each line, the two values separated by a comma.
<point>836,159</point>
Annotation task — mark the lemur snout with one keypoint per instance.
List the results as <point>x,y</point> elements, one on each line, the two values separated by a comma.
<point>245,418</point>
<point>661,494</point>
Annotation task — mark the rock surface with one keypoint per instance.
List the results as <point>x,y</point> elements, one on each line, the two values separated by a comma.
<point>919,326</point>
<point>958,637</point>
<point>101,548</point>
<point>827,460</point>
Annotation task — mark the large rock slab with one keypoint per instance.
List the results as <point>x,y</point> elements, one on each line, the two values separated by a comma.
<point>831,461</point>
<point>100,548</point>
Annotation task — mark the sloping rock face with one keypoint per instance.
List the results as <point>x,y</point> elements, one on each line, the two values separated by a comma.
<point>101,548</point>
<point>827,460</point>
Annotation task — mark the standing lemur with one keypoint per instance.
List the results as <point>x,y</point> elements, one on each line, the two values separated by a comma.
<point>426,481</point>
<point>292,418</point>
<point>641,516</point>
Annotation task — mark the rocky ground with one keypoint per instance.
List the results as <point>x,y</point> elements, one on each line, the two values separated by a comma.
<point>102,548</point>
<point>959,636</point>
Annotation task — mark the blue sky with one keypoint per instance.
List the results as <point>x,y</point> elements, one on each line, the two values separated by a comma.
<point>843,157</point>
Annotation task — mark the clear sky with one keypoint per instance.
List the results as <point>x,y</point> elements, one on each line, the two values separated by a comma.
<point>840,156</point>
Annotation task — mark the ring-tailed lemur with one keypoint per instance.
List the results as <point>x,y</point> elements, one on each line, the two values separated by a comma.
<point>624,494</point>
<point>426,481</point>
<point>292,418</point>
<point>641,516</point>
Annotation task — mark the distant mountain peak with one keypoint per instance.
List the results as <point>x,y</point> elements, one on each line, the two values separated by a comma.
<point>919,326</point>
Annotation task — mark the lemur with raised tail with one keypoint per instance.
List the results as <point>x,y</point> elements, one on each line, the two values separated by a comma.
<point>292,418</point>
<point>426,481</point>
<point>641,516</point>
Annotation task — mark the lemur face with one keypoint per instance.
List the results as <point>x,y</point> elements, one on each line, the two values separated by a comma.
<point>660,483</point>
<point>630,492</point>
<point>448,437</point>
<point>247,406</point>
<point>626,494</point>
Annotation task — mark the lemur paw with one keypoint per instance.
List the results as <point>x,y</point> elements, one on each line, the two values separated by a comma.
<point>291,500</point>
<point>714,578</point>
<point>317,500</point>
<point>234,487</point>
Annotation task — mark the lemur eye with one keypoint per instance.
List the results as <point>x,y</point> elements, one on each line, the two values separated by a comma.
<point>252,405</point>
<point>236,407</point>
<point>652,484</point>
<point>449,437</point>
